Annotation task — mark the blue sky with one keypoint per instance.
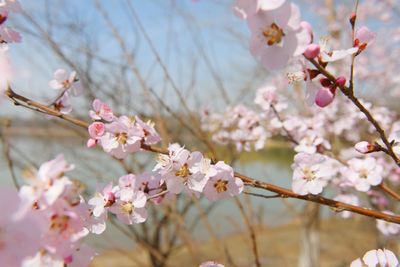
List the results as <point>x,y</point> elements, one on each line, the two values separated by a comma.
<point>35,64</point>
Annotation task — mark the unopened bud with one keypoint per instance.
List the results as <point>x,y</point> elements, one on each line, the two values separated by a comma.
<point>352,19</point>
<point>324,97</point>
<point>340,81</point>
<point>364,147</point>
<point>312,51</point>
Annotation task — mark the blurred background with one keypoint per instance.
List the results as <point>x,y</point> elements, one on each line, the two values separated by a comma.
<point>167,60</point>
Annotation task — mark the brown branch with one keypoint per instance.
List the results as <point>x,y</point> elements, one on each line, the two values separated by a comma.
<point>283,192</point>
<point>389,191</point>
<point>349,94</point>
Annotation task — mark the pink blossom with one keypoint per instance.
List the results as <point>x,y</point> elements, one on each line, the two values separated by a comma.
<point>63,104</point>
<point>363,173</point>
<point>363,37</point>
<point>96,130</point>
<point>277,35</point>
<point>101,111</point>
<point>129,208</point>
<point>384,258</point>
<point>122,137</point>
<point>266,96</point>
<point>181,170</point>
<point>223,184</point>
<point>66,82</point>
<point>311,173</point>
<point>103,200</point>
<point>45,185</point>
<point>151,136</point>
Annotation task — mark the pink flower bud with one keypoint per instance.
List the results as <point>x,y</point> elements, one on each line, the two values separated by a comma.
<point>68,259</point>
<point>341,81</point>
<point>96,129</point>
<point>91,142</point>
<point>307,26</point>
<point>364,147</point>
<point>324,97</point>
<point>312,51</point>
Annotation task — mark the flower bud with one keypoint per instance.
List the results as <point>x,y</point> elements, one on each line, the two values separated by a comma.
<point>91,142</point>
<point>96,129</point>
<point>340,81</point>
<point>364,147</point>
<point>324,97</point>
<point>352,19</point>
<point>312,51</point>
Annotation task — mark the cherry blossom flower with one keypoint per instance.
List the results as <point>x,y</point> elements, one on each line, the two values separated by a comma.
<point>363,37</point>
<point>46,185</point>
<point>151,136</point>
<point>63,104</point>
<point>101,111</point>
<point>246,8</point>
<point>384,258</point>
<point>363,173</point>
<point>387,228</point>
<point>181,170</point>
<point>129,208</point>
<point>122,137</point>
<point>66,82</point>
<point>277,35</point>
<point>330,56</point>
<point>103,200</point>
<point>311,173</point>
<point>211,264</point>
<point>223,184</point>
<point>96,130</point>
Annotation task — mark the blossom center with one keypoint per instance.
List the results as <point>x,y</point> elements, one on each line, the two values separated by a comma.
<point>127,208</point>
<point>59,222</point>
<point>221,186</point>
<point>364,173</point>
<point>121,138</point>
<point>183,171</point>
<point>309,175</point>
<point>273,34</point>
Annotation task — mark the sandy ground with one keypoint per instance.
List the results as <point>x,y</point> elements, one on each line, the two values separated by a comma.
<point>341,242</point>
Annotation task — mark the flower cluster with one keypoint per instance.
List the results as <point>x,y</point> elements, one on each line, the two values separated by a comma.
<point>69,86</point>
<point>190,172</point>
<point>58,219</point>
<point>179,171</point>
<point>238,125</point>
<point>119,136</point>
